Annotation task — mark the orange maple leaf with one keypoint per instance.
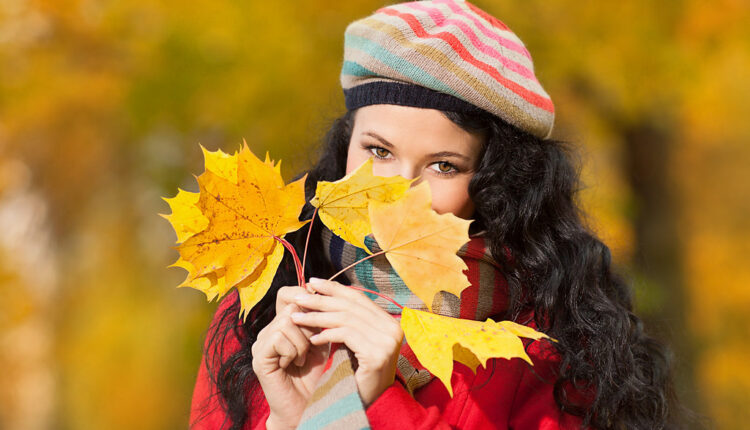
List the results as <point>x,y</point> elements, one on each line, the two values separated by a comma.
<point>248,208</point>
<point>421,244</point>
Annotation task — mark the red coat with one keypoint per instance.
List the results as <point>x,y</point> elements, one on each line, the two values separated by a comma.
<point>513,396</point>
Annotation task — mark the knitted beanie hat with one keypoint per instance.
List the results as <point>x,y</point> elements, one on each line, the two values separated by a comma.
<point>443,54</point>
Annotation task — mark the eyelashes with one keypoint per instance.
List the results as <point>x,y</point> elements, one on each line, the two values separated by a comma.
<point>383,153</point>
<point>375,150</point>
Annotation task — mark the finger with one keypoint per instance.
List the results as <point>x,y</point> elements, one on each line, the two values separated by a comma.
<point>333,288</point>
<point>384,334</point>
<point>323,303</point>
<point>269,346</point>
<point>352,338</point>
<point>293,334</point>
<point>279,333</point>
<point>284,349</point>
<point>324,286</point>
<point>327,320</point>
<point>273,346</point>
<point>369,313</point>
<point>286,295</point>
<point>296,337</point>
<point>287,311</point>
<point>378,350</point>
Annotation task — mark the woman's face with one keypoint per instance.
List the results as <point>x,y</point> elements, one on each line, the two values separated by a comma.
<point>415,142</point>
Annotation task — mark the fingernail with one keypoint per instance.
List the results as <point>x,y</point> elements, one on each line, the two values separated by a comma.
<point>301,297</point>
<point>315,281</point>
<point>298,315</point>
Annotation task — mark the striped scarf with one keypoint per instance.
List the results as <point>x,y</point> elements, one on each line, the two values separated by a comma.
<point>335,402</point>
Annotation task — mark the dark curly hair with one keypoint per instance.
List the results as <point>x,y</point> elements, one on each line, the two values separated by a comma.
<point>524,191</point>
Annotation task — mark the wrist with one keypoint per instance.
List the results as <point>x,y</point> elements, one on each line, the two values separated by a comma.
<point>370,397</point>
<point>272,423</point>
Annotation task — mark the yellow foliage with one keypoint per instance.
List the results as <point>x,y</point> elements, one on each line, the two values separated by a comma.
<point>439,340</point>
<point>255,286</point>
<point>186,218</point>
<point>421,244</point>
<point>221,163</point>
<point>248,209</point>
<point>342,205</point>
<point>212,284</point>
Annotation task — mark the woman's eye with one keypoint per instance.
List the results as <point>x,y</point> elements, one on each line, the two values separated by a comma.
<point>379,152</point>
<point>444,167</point>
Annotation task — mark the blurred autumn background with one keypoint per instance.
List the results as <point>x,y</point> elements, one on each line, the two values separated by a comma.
<point>103,104</point>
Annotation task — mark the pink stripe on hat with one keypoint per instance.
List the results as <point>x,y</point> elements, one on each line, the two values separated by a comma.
<point>441,21</point>
<point>537,100</point>
<point>492,33</point>
<point>452,48</point>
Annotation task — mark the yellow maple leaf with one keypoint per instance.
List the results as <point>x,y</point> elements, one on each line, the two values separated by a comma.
<point>247,207</point>
<point>255,286</point>
<point>225,165</point>
<point>221,163</point>
<point>439,340</point>
<point>213,284</point>
<point>342,205</point>
<point>421,244</point>
<point>186,218</point>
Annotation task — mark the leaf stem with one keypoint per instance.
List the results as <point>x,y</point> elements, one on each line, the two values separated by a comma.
<point>307,241</point>
<point>354,264</point>
<point>297,264</point>
<point>376,293</point>
<point>362,288</point>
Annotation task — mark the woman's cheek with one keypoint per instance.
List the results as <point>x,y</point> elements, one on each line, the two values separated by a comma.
<point>354,159</point>
<point>452,196</point>
<point>380,168</point>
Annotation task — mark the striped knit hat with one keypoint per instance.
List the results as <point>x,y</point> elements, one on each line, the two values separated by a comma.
<point>443,54</point>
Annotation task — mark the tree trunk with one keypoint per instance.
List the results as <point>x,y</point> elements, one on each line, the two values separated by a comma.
<point>658,256</point>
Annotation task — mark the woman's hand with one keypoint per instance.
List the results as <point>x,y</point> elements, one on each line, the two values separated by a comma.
<point>286,363</point>
<point>349,317</point>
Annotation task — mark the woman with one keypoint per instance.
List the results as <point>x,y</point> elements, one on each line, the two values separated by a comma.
<point>441,91</point>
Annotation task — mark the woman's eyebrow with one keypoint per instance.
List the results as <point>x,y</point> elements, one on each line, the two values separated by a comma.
<point>379,138</point>
<point>449,154</point>
<point>382,140</point>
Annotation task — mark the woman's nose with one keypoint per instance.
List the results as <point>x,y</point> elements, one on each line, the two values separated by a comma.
<point>411,172</point>
<point>403,170</point>
<point>417,181</point>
